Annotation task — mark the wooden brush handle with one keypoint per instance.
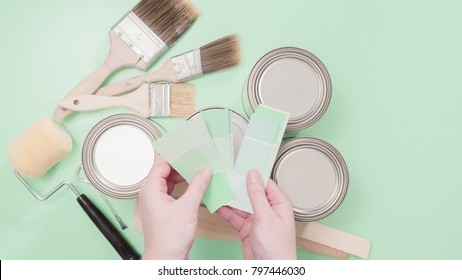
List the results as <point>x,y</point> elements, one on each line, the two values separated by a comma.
<point>120,55</point>
<point>164,73</point>
<point>137,100</point>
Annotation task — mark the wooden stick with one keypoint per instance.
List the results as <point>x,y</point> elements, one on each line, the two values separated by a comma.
<point>213,226</point>
<point>334,238</point>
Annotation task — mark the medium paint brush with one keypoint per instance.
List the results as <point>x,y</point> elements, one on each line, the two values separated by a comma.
<point>138,39</point>
<point>217,55</point>
<point>149,100</point>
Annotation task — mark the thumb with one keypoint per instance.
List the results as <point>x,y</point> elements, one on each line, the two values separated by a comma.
<point>278,201</point>
<point>193,195</point>
<point>256,192</point>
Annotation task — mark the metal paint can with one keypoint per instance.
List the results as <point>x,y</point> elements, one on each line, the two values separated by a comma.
<point>293,80</point>
<point>117,154</point>
<point>313,175</point>
<point>239,127</point>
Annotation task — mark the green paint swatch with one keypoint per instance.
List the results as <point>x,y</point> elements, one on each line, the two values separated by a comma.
<point>218,122</point>
<point>258,151</point>
<point>205,141</point>
<point>189,148</point>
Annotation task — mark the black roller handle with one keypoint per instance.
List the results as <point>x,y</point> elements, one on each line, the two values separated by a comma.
<point>107,229</point>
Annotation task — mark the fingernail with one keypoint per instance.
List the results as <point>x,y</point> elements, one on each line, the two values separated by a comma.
<point>254,177</point>
<point>206,175</point>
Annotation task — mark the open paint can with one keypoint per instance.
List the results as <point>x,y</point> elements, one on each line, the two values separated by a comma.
<point>118,154</point>
<point>239,126</point>
<point>313,175</point>
<point>292,80</point>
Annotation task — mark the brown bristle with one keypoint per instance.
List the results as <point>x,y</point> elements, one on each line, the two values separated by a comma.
<point>220,54</point>
<point>182,100</point>
<point>168,19</point>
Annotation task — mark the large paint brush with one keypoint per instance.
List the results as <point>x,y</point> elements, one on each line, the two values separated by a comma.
<point>138,39</point>
<point>149,100</point>
<point>217,55</point>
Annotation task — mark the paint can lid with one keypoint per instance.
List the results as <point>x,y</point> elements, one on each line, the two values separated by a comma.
<point>293,80</point>
<point>118,153</point>
<point>313,175</point>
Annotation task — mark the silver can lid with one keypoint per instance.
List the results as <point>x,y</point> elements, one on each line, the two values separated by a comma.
<point>238,129</point>
<point>293,80</point>
<point>118,153</point>
<point>313,175</point>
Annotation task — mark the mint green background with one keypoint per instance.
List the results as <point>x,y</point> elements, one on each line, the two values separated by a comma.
<point>396,69</point>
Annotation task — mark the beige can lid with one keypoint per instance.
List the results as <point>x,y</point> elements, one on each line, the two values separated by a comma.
<point>313,175</point>
<point>293,80</point>
<point>118,153</point>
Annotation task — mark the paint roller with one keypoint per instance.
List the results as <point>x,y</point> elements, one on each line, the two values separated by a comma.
<point>46,142</point>
<point>38,149</point>
<point>41,147</point>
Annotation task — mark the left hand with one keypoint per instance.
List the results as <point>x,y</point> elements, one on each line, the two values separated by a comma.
<point>169,224</point>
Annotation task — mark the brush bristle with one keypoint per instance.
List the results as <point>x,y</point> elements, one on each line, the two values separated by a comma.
<point>182,100</point>
<point>168,19</point>
<point>220,54</point>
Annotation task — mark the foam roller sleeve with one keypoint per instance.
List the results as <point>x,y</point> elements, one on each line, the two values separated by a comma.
<point>39,148</point>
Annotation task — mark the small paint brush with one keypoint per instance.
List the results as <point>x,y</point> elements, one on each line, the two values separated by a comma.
<point>217,55</point>
<point>138,39</point>
<point>149,100</point>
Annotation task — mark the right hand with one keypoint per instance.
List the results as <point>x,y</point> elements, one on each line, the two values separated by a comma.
<point>269,233</point>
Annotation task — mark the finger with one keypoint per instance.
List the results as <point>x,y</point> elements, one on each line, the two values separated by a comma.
<point>165,171</point>
<point>193,194</point>
<point>256,192</point>
<point>241,213</point>
<point>278,200</point>
<point>170,187</point>
<point>157,177</point>
<point>160,160</point>
<point>162,167</point>
<point>173,179</point>
<point>231,217</point>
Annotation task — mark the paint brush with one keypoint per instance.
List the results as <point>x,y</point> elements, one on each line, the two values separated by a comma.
<point>138,39</point>
<point>217,55</point>
<point>149,100</point>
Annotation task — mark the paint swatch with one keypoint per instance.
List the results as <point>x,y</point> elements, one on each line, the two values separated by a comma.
<point>206,141</point>
<point>258,151</point>
<point>189,148</point>
<point>219,124</point>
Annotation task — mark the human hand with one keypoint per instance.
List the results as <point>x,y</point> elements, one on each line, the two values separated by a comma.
<point>169,224</point>
<point>269,233</point>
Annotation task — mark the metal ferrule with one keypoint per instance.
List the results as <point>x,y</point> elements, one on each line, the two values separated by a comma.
<point>159,98</point>
<point>139,37</point>
<point>187,65</point>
